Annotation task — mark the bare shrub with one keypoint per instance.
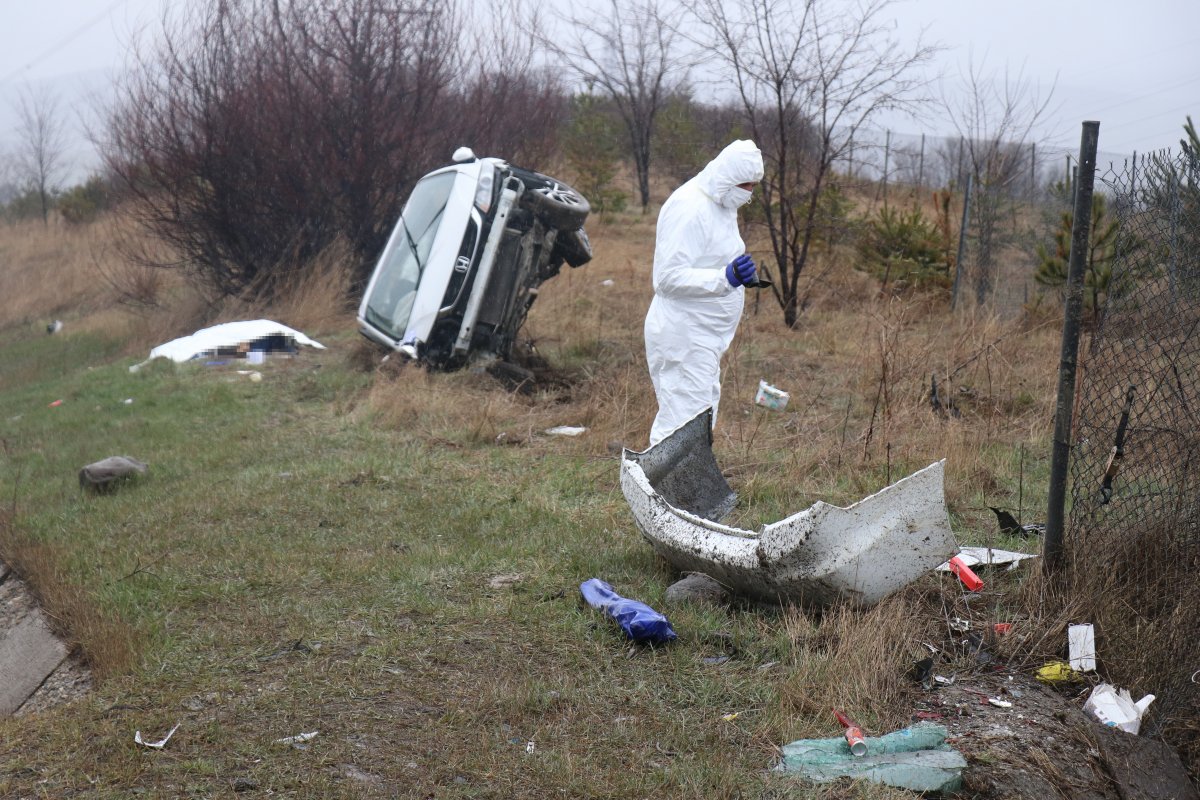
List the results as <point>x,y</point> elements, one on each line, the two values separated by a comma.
<point>256,133</point>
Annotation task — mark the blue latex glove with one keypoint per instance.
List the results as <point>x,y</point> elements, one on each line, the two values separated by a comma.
<point>741,271</point>
<point>640,622</point>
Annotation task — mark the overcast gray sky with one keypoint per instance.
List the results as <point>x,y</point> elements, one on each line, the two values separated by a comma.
<point>1132,66</point>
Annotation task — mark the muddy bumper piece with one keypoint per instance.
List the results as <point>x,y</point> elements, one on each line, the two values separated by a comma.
<point>817,557</point>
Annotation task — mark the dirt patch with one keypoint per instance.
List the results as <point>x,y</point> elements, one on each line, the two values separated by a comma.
<point>1044,746</point>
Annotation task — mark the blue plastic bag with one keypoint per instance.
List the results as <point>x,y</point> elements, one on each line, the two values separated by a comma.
<point>640,622</point>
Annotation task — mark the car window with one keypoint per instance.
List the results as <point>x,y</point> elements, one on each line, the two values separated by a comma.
<point>401,265</point>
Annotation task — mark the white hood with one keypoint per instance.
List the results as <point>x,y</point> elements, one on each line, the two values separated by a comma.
<point>740,162</point>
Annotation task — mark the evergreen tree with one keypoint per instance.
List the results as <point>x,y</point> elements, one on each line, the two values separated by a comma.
<point>1101,253</point>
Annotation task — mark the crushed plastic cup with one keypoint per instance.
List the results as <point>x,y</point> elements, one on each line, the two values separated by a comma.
<point>770,397</point>
<point>1116,709</point>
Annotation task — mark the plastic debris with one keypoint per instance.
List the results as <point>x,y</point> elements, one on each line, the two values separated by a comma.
<point>853,735</point>
<point>959,624</point>
<point>607,282</point>
<point>915,758</point>
<point>922,672</point>
<point>505,580</point>
<point>964,573</point>
<point>816,557</point>
<point>1057,672</point>
<point>1116,709</point>
<point>565,430</point>
<point>640,622</point>
<point>160,744</point>
<point>731,717</point>
<point>1002,628</point>
<point>1081,645</point>
<point>770,397</point>
<point>988,556</point>
<point>999,703</point>
<point>299,739</point>
<point>55,404</point>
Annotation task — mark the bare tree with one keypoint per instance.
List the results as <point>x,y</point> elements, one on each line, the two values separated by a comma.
<point>809,75</point>
<point>41,146</point>
<point>630,51</point>
<point>994,116</point>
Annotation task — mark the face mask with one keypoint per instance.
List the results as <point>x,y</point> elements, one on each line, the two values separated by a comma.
<point>738,197</point>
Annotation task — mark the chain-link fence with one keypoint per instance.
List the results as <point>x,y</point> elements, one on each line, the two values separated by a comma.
<point>1133,531</point>
<point>1018,194</point>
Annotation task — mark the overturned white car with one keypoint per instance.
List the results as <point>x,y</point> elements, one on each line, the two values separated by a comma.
<point>463,265</point>
<point>813,558</point>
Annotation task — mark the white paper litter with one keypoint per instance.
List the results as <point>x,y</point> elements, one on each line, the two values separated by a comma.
<point>1081,644</point>
<point>137,738</point>
<point>988,555</point>
<point>565,430</point>
<point>228,334</point>
<point>299,738</point>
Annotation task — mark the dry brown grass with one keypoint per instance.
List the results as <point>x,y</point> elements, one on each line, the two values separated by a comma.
<point>105,642</point>
<point>51,271</point>
<point>858,367</point>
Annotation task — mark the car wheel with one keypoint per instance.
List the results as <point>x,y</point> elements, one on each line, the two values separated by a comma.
<point>574,246</point>
<point>558,204</point>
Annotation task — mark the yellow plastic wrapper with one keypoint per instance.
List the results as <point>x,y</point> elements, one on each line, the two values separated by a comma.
<point>1057,672</point>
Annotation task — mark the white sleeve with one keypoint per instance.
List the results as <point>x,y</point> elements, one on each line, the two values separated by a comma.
<point>679,244</point>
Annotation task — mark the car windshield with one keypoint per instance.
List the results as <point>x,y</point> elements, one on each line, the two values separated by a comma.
<point>402,263</point>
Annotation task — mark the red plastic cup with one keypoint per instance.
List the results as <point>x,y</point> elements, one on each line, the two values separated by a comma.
<point>964,573</point>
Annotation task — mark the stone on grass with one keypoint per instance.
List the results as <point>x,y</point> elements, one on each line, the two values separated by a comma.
<point>104,476</point>
<point>695,588</point>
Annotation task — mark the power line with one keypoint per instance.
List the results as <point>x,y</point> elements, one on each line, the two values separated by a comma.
<point>87,26</point>
<point>1141,97</point>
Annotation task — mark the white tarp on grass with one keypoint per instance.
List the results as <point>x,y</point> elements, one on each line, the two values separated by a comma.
<point>228,334</point>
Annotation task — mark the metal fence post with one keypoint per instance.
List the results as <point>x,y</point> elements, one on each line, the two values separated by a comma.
<point>887,151</point>
<point>1032,170</point>
<point>1061,450</point>
<point>921,167</point>
<point>962,244</point>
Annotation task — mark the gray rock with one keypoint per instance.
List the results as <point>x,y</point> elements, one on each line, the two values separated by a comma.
<point>695,588</point>
<point>104,476</point>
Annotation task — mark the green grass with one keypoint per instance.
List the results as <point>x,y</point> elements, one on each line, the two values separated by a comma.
<point>287,566</point>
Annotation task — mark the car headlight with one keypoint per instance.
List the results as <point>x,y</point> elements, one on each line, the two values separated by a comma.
<point>483,192</point>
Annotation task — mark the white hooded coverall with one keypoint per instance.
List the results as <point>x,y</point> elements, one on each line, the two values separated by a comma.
<point>695,311</point>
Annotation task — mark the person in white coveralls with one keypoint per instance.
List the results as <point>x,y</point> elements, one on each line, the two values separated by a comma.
<point>700,267</point>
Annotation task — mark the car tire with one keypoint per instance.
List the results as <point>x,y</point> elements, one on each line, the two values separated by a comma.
<point>574,246</point>
<point>558,204</point>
